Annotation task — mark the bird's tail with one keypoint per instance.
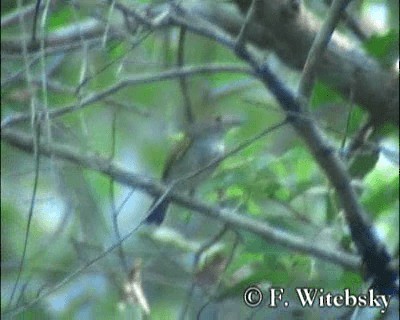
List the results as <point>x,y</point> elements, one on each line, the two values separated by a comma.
<point>157,215</point>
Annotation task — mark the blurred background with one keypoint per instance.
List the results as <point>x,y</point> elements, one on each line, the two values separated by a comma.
<point>192,266</point>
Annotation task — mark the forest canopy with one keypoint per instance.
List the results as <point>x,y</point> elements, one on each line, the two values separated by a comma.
<point>96,94</point>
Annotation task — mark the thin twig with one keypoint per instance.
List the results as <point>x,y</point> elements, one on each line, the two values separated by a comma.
<point>197,256</point>
<point>370,247</point>
<point>349,114</point>
<point>35,19</point>
<point>35,125</point>
<point>243,221</point>
<point>45,293</point>
<point>241,38</point>
<point>29,221</point>
<point>187,104</point>
<point>318,48</point>
<point>114,211</point>
<point>352,23</point>
<point>70,35</point>
<point>11,18</point>
<point>131,81</point>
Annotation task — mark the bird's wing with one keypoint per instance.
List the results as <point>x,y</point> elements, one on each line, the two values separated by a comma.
<point>178,152</point>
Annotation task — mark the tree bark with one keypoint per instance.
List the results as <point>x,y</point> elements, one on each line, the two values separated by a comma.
<point>288,28</point>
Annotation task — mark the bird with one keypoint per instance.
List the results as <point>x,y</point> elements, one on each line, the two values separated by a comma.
<point>193,159</point>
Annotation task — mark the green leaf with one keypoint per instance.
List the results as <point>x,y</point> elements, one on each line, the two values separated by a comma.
<point>323,94</point>
<point>384,47</point>
<point>362,164</point>
<point>381,194</point>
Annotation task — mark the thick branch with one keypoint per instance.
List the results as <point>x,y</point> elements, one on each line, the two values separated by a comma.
<point>289,32</point>
<point>373,251</point>
<point>242,221</point>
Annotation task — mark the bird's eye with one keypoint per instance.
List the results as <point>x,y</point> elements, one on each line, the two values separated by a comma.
<point>218,119</point>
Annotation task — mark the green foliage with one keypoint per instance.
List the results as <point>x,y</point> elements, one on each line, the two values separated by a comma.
<point>323,94</point>
<point>384,47</point>
<point>274,180</point>
<point>382,192</point>
<point>362,164</point>
<point>351,280</point>
<point>59,18</point>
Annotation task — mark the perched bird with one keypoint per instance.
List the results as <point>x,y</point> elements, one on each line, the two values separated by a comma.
<point>191,161</point>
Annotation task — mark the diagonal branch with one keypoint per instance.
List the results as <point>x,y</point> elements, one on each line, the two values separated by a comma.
<point>131,81</point>
<point>318,48</point>
<point>373,251</point>
<point>289,32</point>
<point>24,142</point>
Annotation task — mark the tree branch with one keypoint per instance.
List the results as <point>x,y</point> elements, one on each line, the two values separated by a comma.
<point>373,251</point>
<point>131,81</point>
<point>24,142</point>
<point>318,48</point>
<point>290,32</point>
